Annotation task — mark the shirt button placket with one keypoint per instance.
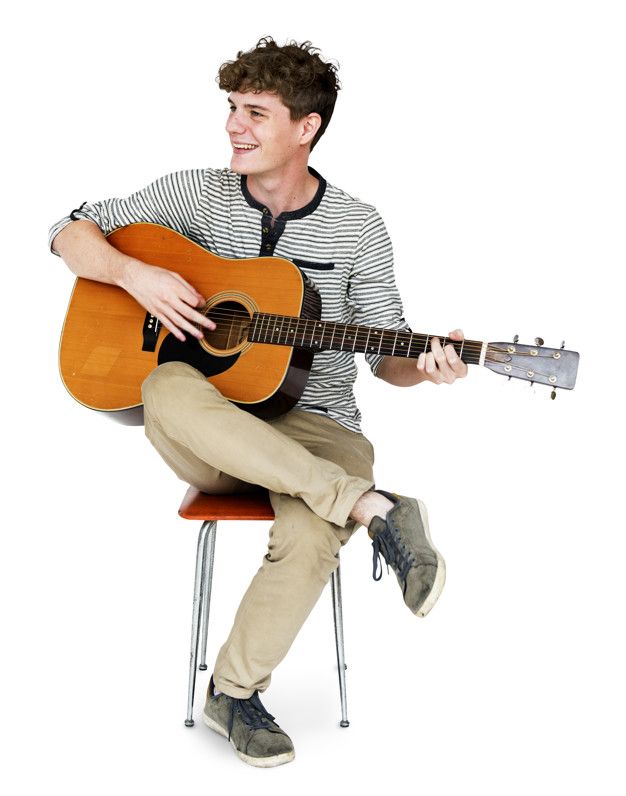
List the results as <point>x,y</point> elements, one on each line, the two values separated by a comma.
<point>268,234</point>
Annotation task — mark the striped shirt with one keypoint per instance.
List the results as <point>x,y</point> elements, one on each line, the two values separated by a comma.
<point>340,242</point>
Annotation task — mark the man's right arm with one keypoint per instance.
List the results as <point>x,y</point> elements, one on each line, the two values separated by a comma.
<point>80,239</point>
<point>165,294</point>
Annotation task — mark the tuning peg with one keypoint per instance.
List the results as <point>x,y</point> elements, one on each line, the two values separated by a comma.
<point>562,343</point>
<point>553,394</point>
<point>538,341</point>
<point>516,338</point>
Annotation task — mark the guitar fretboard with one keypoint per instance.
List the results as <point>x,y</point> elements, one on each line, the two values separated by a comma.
<point>327,335</point>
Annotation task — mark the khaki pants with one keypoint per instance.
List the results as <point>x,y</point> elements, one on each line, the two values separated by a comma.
<point>315,470</point>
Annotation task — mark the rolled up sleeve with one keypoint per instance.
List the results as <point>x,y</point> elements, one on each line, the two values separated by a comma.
<point>171,200</point>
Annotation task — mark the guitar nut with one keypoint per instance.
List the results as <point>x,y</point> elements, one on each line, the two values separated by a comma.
<point>511,349</point>
<point>552,379</point>
<point>557,355</point>
<point>507,368</point>
<point>530,372</point>
<point>533,352</point>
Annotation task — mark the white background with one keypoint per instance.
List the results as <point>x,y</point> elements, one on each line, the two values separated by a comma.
<point>490,135</point>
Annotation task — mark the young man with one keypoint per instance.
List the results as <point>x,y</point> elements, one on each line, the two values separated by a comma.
<point>314,460</point>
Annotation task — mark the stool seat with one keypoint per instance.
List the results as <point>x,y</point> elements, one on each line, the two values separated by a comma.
<point>253,505</point>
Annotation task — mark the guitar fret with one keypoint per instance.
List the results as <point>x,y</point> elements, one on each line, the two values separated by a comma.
<point>333,336</point>
<point>282,323</point>
<point>303,331</point>
<point>373,347</point>
<point>426,343</point>
<point>369,331</point>
<point>408,351</point>
<point>393,350</point>
<point>263,318</point>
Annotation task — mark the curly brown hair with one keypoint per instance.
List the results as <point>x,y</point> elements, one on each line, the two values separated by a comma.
<point>294,72</point>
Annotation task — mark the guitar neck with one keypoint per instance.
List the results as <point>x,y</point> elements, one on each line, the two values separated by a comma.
<point>329,336</point>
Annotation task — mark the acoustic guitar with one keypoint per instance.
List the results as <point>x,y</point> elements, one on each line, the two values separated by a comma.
<point>268,328</point>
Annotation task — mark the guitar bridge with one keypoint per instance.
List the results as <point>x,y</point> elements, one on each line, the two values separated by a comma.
<point>150,331</point>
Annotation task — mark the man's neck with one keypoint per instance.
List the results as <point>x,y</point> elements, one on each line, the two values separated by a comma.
<point>283,193</point>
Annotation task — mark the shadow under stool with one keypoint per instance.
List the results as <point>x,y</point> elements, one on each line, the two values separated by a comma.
<point>210,509</point>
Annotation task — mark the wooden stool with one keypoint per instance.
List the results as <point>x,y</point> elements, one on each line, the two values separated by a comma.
<point>198,505</point>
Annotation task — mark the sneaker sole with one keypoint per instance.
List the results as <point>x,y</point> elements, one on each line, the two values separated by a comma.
<point>440,577</point>
<point>259,762</point>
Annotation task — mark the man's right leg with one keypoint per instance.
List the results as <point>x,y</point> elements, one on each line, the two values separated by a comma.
<point>191,422</point>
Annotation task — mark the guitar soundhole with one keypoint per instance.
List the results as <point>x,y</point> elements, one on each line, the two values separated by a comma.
<point>232,321</point>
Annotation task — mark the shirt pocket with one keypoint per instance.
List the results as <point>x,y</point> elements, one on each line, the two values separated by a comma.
<point>313,266</point>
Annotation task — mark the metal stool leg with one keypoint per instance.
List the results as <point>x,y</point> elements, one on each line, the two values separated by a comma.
<point>207,529</point>
<point>209,552</point>
<point>335,585</point>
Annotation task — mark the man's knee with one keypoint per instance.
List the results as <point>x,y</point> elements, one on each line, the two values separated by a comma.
<point>299,534</point>
<point>166,389</point>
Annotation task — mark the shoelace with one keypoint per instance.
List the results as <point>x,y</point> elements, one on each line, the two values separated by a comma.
<point>251,711</point>
<point>393,551</point>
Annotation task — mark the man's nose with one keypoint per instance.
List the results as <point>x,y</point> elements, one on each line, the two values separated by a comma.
<point>233,123</point>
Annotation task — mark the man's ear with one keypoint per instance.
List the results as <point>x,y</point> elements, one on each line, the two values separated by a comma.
<point>310,125</point>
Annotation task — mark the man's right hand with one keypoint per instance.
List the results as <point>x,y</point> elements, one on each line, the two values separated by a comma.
<point>167,296</point>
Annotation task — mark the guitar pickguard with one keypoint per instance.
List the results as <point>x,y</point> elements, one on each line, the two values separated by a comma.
<point>174,350</point>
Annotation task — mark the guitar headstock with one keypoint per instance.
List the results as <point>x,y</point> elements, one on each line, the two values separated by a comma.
<point>554,367</point>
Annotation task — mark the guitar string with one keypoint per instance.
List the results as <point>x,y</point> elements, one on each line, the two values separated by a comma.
<point>470,346</point>
<point>360,331</point>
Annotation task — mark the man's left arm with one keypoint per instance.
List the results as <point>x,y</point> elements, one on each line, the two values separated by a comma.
<point>376,302</point>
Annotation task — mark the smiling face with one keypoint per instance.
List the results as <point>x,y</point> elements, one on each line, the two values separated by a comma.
<point>264,138</point>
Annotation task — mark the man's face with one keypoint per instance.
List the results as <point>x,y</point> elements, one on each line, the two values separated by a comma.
<point>262,135</point>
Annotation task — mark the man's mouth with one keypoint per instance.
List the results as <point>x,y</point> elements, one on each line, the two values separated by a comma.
<point>240,148</point>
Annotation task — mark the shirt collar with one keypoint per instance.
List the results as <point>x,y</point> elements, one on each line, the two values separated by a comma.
<point>290,214</point>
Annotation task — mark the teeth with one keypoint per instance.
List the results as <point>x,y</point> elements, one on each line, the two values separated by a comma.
<point>245,146</point>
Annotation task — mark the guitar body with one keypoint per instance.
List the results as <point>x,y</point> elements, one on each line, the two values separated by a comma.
<point>109,346</point>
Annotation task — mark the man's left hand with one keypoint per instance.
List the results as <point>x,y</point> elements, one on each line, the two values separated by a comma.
<point>442,364</point>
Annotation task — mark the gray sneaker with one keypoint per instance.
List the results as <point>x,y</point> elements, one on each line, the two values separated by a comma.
<point>403,540</point>
<point>252,731</point>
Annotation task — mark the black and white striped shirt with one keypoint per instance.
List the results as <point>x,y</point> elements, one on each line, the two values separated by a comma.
<point>340,242</point>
